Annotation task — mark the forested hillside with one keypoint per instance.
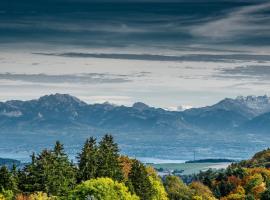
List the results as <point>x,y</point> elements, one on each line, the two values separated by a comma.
<point>101,173</point>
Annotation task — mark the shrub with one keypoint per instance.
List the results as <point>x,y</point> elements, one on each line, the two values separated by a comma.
<point>201,190</point>
<point>101,189</point>
<point>6,195</point>
<point>177,189</point>
<point>158,189</point>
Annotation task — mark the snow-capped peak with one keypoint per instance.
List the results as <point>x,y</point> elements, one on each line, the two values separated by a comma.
<point>259,103</point>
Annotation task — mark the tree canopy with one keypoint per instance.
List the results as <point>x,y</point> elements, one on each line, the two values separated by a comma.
<point>101,189</point>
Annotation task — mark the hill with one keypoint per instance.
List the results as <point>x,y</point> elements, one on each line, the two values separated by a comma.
<point>260,159</point>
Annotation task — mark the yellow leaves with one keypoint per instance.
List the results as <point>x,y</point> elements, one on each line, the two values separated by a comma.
<point>102,189</point>
<point>201,191</point>
<point>177,189</point>
<point>235,197</point>
<point>157,186</point>
<point>151,171</point>
<point>159,190</point>
<point>197,198</point>
<point>39,196</point>
<point>35,196</point>
<point>237,194</point>
<point>257,190</point>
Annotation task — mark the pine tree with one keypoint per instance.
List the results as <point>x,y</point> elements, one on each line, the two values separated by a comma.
<point>59,149</point>
<point>14,178</point>
<point>87,160</point>
<point>59,172</point>
<point>5,179</point>
<point>30,178</point>
<point>49,172</point>
<point>140,181</point>
<point>108,159</point>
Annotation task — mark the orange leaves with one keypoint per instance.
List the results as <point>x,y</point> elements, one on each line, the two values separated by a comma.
<point>126,163</point>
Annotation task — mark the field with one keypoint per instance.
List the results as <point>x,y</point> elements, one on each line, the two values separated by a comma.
<point>189,168</point>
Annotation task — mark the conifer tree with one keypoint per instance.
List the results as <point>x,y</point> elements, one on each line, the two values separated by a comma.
<point>6,182</point>
<point>140,181</point>
<point>108,159</point>
<point>87,161</point>
<point>14,178</point>
<point>49,172</point>
<point>30,178</point>
<point>59,172</point>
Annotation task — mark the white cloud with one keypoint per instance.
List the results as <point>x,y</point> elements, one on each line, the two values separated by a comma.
<point>244,21</point>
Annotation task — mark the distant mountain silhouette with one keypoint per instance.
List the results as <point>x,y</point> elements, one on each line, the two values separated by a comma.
<point>62,110</point>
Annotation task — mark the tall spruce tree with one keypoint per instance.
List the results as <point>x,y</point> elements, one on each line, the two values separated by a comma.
<point>139,179</point>
<point>6,182</point>
<point>108,159</point>
<point>87,161</point>
<point>30,178</point>
<point>50,172</point>
<point>60,173</point>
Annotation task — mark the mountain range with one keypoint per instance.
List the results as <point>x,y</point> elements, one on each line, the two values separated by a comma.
<point>58,111</point>
<point>220,130</point>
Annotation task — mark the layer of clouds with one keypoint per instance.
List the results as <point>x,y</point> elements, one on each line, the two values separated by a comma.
<point>83,24</point>
<point>91,78</point>
<point>153,57</point>
<point>249,21</point>
<point>177,62</point>
<point>258,72</point>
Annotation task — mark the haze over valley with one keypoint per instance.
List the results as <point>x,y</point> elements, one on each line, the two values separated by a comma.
<point>231,128</point>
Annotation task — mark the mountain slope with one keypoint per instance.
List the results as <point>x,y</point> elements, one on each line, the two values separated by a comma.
<point>59,110</point>
<point>228,113</point>
<point>62,111</point>
<point>212,131</point>
<point>259,124</point>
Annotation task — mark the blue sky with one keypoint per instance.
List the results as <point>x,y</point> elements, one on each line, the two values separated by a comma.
<point>168,55</point>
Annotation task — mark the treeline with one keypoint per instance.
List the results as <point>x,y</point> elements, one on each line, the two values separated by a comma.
<point>214,160</point>
<point>101,173</point>
<point>246,180</point>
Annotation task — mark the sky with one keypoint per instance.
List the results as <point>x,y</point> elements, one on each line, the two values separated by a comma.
<point>170,55</point>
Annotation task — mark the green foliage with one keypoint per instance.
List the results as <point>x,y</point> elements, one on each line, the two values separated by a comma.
<point>108,159</point>
<point>8,179</point>
<point>101,189</point>
<point>252,182</point>
<point>260,159</point>
<point>50,172</point>
<point>6,195</point>
<point>40,196</point>
<point>5,178</point>
<point>105,175</point>
<point>157,186</point>
<point>87,160</point>
<point>177,189</point>
<point>265,195</point>
<point>208,176</point>
<point>35,196</point>
<point>159,192</point>
<point>201,190</point>
<point>250,197</point>
<point>140,181</point>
